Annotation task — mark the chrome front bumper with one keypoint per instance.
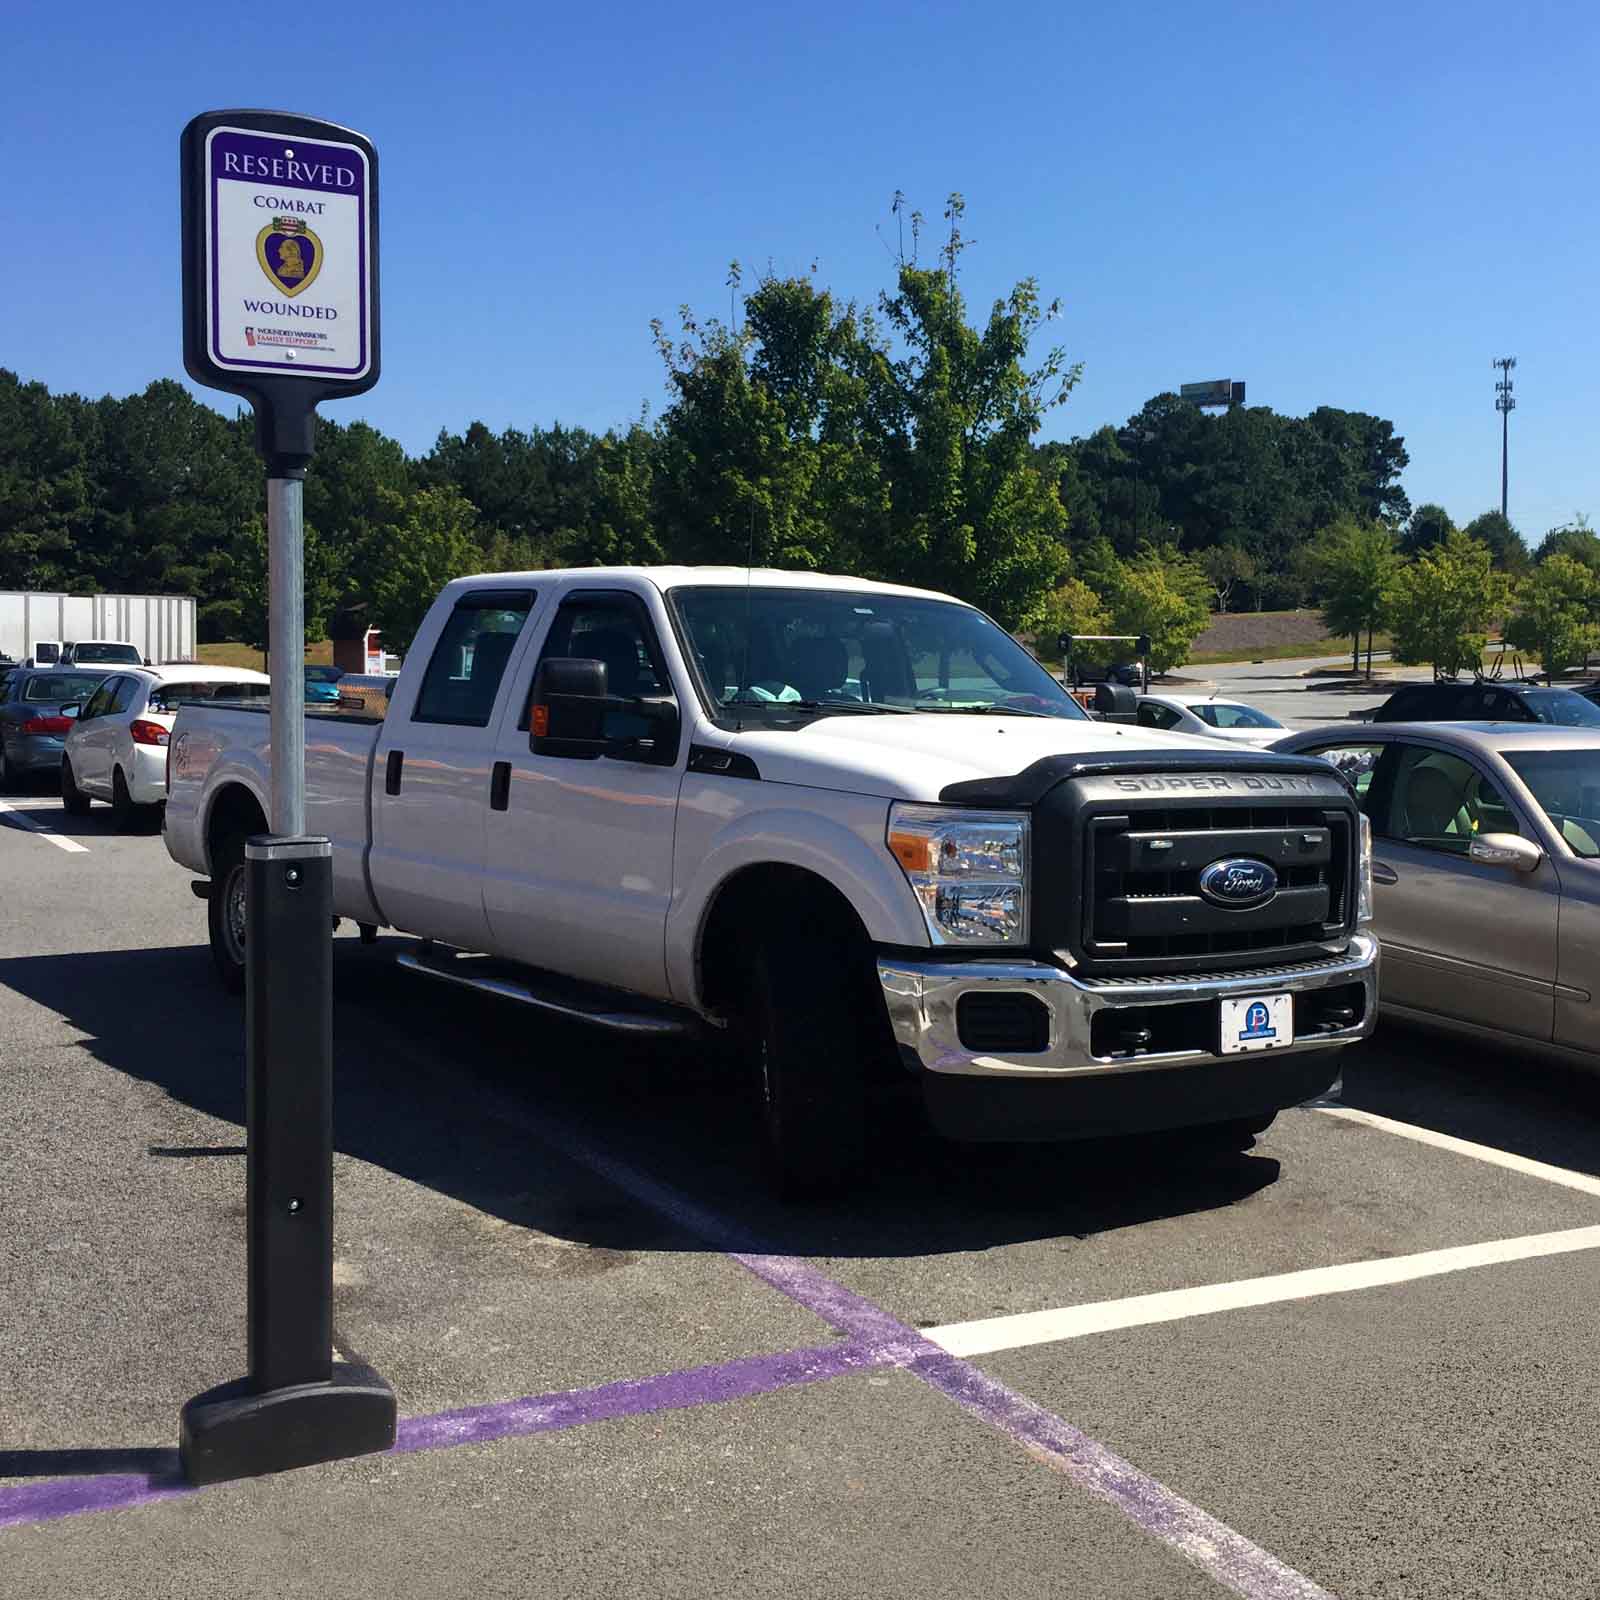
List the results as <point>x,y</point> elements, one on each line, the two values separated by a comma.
<point>922,997</point>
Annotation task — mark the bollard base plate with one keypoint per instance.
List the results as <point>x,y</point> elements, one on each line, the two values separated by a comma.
<point>237,1431</point>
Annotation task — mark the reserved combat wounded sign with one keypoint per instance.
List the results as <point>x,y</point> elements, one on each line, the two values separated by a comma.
<point>288,279</point>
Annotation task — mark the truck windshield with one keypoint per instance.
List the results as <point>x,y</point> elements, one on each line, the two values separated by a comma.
<point>121,655</point>
<point>779,652</point>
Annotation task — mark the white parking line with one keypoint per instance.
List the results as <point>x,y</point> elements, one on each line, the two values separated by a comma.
<point>21,820</point>
<point>1105,1316</point>
<point>1583,1182</point>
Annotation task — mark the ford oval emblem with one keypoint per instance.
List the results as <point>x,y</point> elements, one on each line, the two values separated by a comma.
<point>1238,882</point>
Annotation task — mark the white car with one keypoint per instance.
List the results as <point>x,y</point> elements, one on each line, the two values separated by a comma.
<point>1213,718</point>
<point>117,749</point>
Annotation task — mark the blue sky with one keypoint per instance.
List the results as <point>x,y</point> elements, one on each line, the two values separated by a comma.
<point>1357,205</point>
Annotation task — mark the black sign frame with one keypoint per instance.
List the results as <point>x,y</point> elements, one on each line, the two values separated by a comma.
<point>284,404</point>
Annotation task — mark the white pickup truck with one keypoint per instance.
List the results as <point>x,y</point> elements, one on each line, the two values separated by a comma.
<point>855,828</point>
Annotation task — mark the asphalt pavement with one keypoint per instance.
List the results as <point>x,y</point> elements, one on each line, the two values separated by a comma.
<point>1354,1360</point>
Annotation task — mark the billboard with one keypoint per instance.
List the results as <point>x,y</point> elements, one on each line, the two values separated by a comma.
<point>1216,392</point>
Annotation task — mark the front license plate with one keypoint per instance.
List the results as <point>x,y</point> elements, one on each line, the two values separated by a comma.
<point>1258,1022</point>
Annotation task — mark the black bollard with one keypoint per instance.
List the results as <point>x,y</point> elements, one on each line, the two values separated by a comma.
<point>297,1406</point>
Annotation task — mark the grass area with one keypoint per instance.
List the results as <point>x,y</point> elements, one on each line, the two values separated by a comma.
<point>233,654</point>
<point>1285,652</point>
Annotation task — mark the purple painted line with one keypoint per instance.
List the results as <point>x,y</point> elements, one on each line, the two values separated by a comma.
<point>672,1391</point>
<point>1229,1557</point>
<point>738,1379</point>
<point>67,1497</point>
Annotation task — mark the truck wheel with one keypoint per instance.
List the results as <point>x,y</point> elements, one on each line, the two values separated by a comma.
<point>806,1042</point>
<point>225,911</point>
<point>73,800</point>
<point>8,779</point>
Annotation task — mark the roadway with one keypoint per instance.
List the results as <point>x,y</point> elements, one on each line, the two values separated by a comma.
<point>1355,1360</point>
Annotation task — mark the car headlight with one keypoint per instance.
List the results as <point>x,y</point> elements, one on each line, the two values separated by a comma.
<point>968,870</point>
<point>1364,871</point>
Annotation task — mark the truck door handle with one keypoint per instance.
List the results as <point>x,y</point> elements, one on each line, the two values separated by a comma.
<point>391,772</point>
<point>500,786</point>
<point>1382,872</point>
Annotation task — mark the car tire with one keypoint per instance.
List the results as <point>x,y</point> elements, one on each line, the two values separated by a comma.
<point>73,800</point>
<point>8,777</point>
<point>225,911</point>
<point>124,812</point>
<point>806,1044</point>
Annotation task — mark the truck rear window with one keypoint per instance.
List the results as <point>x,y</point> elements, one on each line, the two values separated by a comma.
<point>464,672</point>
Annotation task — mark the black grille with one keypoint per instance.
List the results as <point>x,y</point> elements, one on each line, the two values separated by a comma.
<point>1138,859</point>
<point>1016,1023</point>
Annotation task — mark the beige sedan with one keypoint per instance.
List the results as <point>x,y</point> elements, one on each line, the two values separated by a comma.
<point>1486,873</point>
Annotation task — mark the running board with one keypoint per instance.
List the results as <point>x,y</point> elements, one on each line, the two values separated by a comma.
<point>560,997</point>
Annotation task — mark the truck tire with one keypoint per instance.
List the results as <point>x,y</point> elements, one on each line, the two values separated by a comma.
<point>806,1041</point>
<point>8,779</point>
<point>225,911</point>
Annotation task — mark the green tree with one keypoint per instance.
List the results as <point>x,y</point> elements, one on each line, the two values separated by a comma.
<point>1225,565</point>
<point>1555,616</point>
<point>436,539</point>
<point>243,615</point>
<point>1504,542</point>
<point>1355,566</point>
<point>1430,525</point>
<point>1444,603</point>
<point>1165,595</point>
<point>1576,539</point>
<point>1071,607</point>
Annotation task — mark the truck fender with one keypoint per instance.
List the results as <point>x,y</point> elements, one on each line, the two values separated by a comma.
<point>851,857</point>
<point>238,770</point>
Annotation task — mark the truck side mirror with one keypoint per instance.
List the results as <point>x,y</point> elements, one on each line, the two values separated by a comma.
<point>1115,702</point>
<point>569,708</point>
<point>566,713</point>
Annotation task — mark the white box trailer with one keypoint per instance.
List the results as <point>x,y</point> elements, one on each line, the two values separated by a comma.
<point>161,625</point>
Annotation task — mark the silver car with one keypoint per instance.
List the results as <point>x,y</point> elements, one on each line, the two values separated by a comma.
<point>36,710</point>
<point>1486,873</point>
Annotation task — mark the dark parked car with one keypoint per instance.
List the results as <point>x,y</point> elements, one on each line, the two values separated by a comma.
<point>33,723</point>
<point>1481,701</point>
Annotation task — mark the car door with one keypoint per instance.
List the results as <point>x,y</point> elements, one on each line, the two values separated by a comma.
<point>578,856</point>
<point>430,784</point>
<point>1461,939</point>
<point>91,746</point>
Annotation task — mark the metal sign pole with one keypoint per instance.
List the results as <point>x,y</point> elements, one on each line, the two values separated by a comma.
<point>273,204</point>
<point>286,635</point>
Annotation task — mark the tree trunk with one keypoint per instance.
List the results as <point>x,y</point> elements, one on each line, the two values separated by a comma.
<point>1355,651</point>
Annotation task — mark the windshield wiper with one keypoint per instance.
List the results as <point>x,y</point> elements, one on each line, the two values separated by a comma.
<point>984,711</point>
<point>871,708</point>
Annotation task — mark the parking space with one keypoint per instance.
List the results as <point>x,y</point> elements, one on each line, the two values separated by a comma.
<point>1351,1360</point>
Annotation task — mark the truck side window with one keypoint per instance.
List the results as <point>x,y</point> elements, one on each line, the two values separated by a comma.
<point>616,631</point>
<point>464,672</point>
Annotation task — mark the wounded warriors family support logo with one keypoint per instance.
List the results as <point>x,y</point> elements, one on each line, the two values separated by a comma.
<point>290,254</point>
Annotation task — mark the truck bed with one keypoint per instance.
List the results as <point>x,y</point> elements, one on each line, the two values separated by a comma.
<point>216,748</point>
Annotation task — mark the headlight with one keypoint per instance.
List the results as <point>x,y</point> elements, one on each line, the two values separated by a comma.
<point>969,870</point>
<point>1364,868</point>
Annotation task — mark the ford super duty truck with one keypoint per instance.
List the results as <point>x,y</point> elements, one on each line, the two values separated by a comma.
<point>855,829</point>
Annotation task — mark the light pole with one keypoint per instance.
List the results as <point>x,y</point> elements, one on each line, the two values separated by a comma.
<point>1505,405</point>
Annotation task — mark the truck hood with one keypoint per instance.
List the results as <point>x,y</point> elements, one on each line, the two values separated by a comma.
<point>915,756</point>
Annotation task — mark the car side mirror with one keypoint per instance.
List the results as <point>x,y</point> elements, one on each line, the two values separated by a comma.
<point>1505,850</point>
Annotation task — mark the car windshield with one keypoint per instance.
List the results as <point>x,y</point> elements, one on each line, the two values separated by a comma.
<point>1563,707</point>
<point>122,655</point>
<point>779,653</point>
<point>1229,716</point>
<point>1566,783</point>
<point>61,688</point>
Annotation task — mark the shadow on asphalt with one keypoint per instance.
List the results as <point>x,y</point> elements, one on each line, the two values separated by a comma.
<point>160,1467</point>
<point>1491,1094</point>
<point>451,1091</point>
